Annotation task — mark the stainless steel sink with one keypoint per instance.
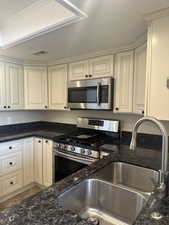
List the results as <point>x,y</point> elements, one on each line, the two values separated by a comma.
<point>114,195</point>
<point>129,176</point>
<point>108,203</point>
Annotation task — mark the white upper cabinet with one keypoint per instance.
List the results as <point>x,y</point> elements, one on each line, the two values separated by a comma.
<point>57,80</point>
<point>11,86</point>
<point>157,82</point>
<point>15,86</point>
<point>92,68</point>
<point>3,103</point>
<point>139,80</point>
<point>36,87</point>
<point>124,82</point>
<point>101,67</point>
<point>78,70</point>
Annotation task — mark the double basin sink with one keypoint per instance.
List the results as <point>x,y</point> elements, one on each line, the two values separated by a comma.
<point>114,195</point>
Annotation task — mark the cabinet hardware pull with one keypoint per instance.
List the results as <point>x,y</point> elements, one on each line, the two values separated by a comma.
<point>10,147</point>
<point>39,141</point>
<point>46,141</point>
<point>46,107</point>
<point>11,163</point>
<point>11,182</point>
<point>9,107</point>
<point>86,75</point>
<point>143,112</point>
<point>4,107</point>
<point>90,75</point>
<point>116,108</point>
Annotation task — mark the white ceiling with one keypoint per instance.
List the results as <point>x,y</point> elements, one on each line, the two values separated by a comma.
<point>10,7</point>
<point>110,24</point>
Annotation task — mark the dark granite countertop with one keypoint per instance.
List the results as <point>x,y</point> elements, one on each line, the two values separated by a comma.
<point>38,133</point>
<point>43,208</point>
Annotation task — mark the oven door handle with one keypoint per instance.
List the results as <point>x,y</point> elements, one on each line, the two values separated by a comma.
<point>75,158</point>
<point>98,93</point>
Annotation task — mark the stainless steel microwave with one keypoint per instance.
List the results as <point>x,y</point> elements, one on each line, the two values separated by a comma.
<point>91,94</point>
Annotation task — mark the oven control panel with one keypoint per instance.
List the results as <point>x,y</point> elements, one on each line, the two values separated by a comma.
<point>77,150</point>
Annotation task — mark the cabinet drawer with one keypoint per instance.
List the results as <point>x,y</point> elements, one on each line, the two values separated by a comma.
<point>10,147</point>
<point>10,163</point>
<point>11,183</point>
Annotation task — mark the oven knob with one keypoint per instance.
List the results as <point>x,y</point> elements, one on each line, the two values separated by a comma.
<point>82,151</point>
<point>89,152</point>
<point>72,149</point>
<point>57,145</point>
<point>62,146</point>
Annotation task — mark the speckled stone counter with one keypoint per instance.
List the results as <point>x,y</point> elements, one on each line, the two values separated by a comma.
<point>43,208</point>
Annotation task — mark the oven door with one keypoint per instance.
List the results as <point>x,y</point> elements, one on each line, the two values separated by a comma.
<point>65,165</point>
<point>91,94</point>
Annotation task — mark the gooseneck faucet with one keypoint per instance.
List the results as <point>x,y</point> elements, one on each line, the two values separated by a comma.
<point>164,162</point>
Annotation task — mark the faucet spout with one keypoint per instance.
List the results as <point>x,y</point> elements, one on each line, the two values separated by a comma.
<point>164,162</point>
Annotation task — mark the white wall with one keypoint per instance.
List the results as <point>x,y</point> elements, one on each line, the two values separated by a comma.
<point>20,117</point>
<point>127,120</point>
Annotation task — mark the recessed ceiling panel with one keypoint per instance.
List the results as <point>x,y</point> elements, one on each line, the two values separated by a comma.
<point>38,18</point>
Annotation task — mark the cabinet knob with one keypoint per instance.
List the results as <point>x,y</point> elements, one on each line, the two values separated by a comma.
<point>142,112</point>
<point>9,107</point>
<point>11,182</point>
<point>5,107</point>
<point>90,75</point>
<point>116,108</point>
<point>86,75</point>
<point>10,147</point>
<point>39,141</point>
<point>46,141</point>
<point>46,107</point>
<point>11,163</point>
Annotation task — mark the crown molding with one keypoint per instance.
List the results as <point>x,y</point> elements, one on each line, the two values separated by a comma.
<point>156,15</point>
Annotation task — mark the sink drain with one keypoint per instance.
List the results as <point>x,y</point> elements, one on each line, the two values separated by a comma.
<point>156,215</point>
<point>93,220</point>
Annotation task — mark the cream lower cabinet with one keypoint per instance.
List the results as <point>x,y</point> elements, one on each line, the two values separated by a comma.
<point>11,167</point>
<point>36,96</point>
<point>28,161</point>
<point>11,86</point>
<point>38,161</point>
<point>43,161</point>
<point>47,162</point>
<point>139,80</point>
<point>57,81</point>
<point>124,82</point>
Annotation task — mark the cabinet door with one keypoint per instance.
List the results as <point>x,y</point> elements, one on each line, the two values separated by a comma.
<point>15,86</point>
<point>28,161</point>
<point>3,99</point>
<point>139,80</point>
<point>38,163</point>
<point>57,79</point>
<point>47,162</point>
<point>124,82</point>
<point>157,82</point>
<point>35,87</point>
<point>78,70</point>
<point>101,67</point>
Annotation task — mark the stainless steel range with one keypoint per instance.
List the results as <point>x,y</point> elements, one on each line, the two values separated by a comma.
<point>82,147</point>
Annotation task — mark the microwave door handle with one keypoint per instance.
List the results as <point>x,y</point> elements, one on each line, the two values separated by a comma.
<point>98,93</point>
